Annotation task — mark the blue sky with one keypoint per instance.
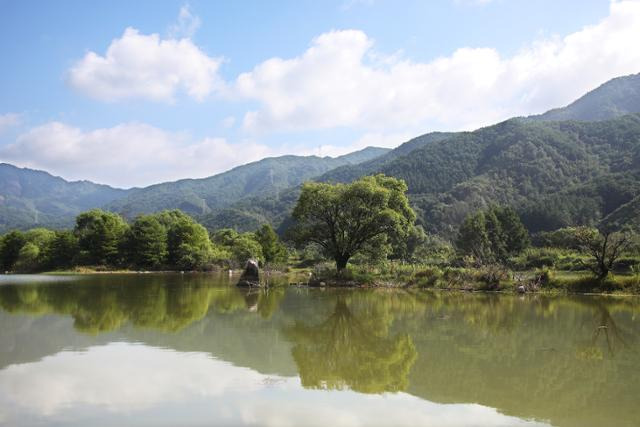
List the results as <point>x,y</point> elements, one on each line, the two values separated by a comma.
<point>133,93</point>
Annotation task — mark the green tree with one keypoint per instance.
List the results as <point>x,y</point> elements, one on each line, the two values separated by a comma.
<point>34,254</point>
<point>491,235</point>
<point>100,236</point>
<point>63,249</point>
<point>10,246</point>
<point>473,238</point>
<point>147,242</point>
<point>344,218</point>
<point>245,247</point>
<point>515,235</point>
<point>272,248</point>
<point>188,244</point>
<point>225,237</point>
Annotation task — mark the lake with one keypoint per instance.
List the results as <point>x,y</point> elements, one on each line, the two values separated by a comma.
<point>192,349</point>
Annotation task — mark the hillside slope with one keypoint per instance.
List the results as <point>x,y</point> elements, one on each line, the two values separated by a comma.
<point>265,177</point>
<point>30,198</point>
<point>554,173</point>
<point>614,98</point>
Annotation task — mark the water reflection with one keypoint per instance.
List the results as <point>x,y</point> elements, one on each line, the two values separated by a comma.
<point>562,360</point>
<point>174,388</point>
<point>352,349</point>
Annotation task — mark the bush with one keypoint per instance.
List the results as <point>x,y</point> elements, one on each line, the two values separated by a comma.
<point>428,278</point>
<point>491,277</point>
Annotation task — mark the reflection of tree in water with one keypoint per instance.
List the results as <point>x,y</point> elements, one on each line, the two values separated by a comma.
<point>103,306</point>
<point>606,333</point>
<point>351,350</point>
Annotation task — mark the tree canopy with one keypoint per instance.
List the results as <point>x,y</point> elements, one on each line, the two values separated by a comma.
<point>344,218</point>
<point>492,235</point>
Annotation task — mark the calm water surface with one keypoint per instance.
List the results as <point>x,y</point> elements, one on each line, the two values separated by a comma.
<point>181,350</point>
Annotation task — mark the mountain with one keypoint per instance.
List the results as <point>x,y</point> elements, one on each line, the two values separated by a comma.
<point>555,173</point>
<point>265,177</point>
<point>614,98</point>
<point>351,172</point>
<point>555,168</point>
<point>32,198</point>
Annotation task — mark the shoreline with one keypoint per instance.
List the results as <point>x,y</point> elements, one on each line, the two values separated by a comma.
<point>349,284</point>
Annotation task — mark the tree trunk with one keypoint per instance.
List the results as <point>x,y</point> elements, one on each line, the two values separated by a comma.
<point>341,262</point>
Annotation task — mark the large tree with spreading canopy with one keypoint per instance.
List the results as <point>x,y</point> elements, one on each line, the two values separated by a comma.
<point>345,219</point>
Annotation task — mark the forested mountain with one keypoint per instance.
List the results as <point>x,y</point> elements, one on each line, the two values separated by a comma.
<point>555,173</point>
<point>265,178</point>
<point>349,173</point>
<point>614,98</point>
<point>30,198</point>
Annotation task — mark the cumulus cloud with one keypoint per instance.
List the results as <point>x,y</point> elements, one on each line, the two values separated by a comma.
<point>146,66</point>
<point>127,154</point>
<point>339,81</point>
<point>8,121</point>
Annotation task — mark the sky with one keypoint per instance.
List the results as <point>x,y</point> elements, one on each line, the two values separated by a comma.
<point>135,93</point>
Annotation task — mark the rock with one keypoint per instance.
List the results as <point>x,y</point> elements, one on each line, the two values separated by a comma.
<point>521,289</point>
<point>250,275</point>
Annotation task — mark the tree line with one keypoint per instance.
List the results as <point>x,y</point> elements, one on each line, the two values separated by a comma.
<point>367,221</point>
<point>168,240</point>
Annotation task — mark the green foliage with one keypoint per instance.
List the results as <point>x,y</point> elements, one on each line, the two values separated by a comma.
<point>63,250</point>
<point>188,244</point>
<point>344,218</point>
<point>10,246</point>
<point>272,248</point>
<point>492,235</point>
<point>100,236</point>
<point>246,247</point>
<point>34,254</point>
<point>240,247</point>
<point>147,242</point>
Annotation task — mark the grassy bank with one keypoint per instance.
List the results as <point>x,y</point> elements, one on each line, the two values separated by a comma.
<point>488,278</point>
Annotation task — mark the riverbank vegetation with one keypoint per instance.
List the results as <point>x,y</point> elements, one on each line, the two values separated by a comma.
<point>360,234</point>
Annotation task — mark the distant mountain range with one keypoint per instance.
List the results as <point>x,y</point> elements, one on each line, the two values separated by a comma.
<point>31,198</point>
<point>574,165</point>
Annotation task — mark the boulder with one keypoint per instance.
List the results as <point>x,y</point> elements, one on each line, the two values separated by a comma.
<point>250,275</point>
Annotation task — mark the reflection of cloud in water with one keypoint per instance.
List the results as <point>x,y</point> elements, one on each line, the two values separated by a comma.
<point>33,279</point>
<point>123,379</point>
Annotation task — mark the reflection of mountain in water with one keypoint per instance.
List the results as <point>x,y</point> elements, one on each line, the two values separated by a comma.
<point>569,360</point>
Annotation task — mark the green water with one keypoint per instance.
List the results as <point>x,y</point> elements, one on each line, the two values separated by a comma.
<point>181,350</point>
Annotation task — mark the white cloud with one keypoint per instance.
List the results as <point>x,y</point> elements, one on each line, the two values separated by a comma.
<point>187,24</point>
<point>8,121</point>
<point>127,154</point>
<point>144,383</point>
<point>368,139</point>
<point>335,83</point>
<point>145,66</point>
